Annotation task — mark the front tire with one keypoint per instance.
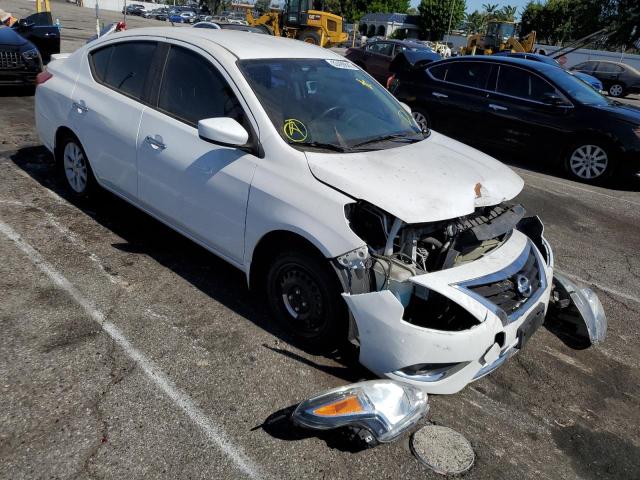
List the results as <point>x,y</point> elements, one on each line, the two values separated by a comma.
<point>303,294</point>
<point>590,161</point>
<point>422,118</point>
<point>310,36</point>
<point>75,168</point>
<point>617,90</point>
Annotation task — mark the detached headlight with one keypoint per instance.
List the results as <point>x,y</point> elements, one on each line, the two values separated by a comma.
<point>384,408</point>
<point>31,54</point>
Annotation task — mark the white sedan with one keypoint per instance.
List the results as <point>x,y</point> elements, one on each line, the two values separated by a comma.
<point>297,167</point>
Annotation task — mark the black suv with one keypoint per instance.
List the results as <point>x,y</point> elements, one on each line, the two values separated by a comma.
<point>20,60</point>
<point>528,107</point>
<point>619,79</point>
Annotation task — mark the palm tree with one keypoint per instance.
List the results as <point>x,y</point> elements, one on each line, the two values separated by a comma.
<point>490,8</point>
<point>508,13</point>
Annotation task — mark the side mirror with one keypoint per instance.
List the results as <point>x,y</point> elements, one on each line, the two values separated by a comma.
<point>554,100</point>
<point>406,107</point>
<point>223,131</point>
<point>24,24</point>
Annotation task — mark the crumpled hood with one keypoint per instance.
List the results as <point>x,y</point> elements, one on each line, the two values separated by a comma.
<point>436,179</point>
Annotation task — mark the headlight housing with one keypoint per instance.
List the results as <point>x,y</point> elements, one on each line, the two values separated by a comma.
<point>31,54</point>
<point>383,407</point>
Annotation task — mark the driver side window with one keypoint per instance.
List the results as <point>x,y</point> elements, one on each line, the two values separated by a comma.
<point>192,89</point>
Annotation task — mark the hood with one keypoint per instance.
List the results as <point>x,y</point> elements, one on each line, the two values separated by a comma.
<point>436,179</point>
<point>623,111</point>
<point>8,37</point>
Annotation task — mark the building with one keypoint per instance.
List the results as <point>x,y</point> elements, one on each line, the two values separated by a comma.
<point>384,24</point>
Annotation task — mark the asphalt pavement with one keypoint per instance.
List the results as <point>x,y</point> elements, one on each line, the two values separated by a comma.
<point>130,352</point>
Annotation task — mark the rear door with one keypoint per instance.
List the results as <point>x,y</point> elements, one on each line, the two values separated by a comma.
<point>459,99</point>
<point>609,73</point>
<point>107,106</point>
<point>520,115</point>
<point>199,187</point>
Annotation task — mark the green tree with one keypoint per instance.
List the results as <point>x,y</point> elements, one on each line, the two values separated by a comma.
<point>507,13</point>
<point>490,8</point>
<point>437,15</point>
<point>262,6</point>
<point>475,22</point>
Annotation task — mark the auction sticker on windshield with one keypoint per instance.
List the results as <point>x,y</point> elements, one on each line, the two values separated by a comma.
<point>344,64</point>
<point>364,83</point>
<point>294,130</point>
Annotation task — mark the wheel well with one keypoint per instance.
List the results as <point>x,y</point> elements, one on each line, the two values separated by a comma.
<point>61,133</point>
<point>272,244</point>
<point>590,137</point>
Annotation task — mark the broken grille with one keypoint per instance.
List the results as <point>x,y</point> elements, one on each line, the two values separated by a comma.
<point>509,294</point>
<point>10,59</point>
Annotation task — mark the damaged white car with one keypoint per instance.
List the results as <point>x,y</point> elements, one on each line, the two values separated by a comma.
<point>296,166</point>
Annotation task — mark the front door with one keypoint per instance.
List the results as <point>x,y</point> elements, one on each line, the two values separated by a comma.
<point>199,187</point>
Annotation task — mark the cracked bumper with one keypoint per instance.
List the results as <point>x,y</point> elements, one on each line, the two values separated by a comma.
<point>389,345</point>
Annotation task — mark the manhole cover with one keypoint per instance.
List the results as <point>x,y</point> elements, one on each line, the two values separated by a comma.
<point>442,449</point>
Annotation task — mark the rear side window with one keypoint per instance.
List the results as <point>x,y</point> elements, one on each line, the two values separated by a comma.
<point>609,68</point>
<point>439,71</point>
<point>192,89</point>
<point>522,84</point>
<point>469,74</point>
<point>124,66</point>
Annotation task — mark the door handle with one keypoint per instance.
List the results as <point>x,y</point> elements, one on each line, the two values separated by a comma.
<point>497,108</point>
<point>156,143</point>
<point>439,95</point>
<point>80,107</point>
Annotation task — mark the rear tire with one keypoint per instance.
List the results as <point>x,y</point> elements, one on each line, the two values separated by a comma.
<point>303,294</point>
<point>74,167</point>
<point>310,36</point>
<point>590,161</point>
<point>617,90</point>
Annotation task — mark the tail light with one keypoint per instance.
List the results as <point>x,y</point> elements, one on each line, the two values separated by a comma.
<point>43,77</point>
<point>390,80</point>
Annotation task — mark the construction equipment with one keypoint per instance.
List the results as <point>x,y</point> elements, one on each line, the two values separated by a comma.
<point>298,21</point>
<point>43,6</point>
<point>500,36</point>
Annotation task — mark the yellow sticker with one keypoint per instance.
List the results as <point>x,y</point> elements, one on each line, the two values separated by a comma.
<point>364,83</point>
<point>294,130</point>
<point>406,116</point>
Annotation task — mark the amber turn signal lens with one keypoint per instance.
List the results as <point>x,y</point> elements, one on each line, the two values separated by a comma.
<point>344,406</point>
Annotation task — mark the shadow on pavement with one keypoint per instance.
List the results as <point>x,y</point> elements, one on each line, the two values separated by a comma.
<point>17,91</point>
<point>205,271</point>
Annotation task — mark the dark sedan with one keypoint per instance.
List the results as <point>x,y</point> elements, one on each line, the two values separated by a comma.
<point>619,79</point>
<point>20,60</point>
<point>375,57</point>
<point>526,107</point>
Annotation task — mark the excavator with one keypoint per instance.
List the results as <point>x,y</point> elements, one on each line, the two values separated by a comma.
<point>500,36</point>
<point>299,20</point>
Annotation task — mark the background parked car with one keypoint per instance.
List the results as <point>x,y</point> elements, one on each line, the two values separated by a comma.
<point>158,14</point>
<point>619,79</point>
<point>231,26</point>
<point>40,30</point>
<point>183,17</point>
<point>134,9</point>
<point>20,60</point>
<point>509,103</point>
<point>536,57</point>
<point>375,57</point>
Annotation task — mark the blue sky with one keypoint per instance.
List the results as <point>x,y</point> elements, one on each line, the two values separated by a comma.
<point>477,4</point>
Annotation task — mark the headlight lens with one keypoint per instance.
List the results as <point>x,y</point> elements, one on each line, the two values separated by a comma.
<point>383,407</point>
<point>31,54</point>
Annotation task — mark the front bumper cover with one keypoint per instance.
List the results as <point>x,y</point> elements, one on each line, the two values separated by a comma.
<point>388,344</point>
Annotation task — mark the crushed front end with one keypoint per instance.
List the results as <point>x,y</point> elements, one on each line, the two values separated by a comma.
<point>441,304</point>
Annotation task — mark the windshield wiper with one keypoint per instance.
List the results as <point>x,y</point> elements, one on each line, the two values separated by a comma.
<point>384,138</point>
<point>326,146</point>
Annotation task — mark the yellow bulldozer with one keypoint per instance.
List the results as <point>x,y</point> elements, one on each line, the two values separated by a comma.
<point>500,36</point>
<point>297,20</point>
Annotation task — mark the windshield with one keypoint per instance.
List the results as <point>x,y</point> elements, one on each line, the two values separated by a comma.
<point>575,88</point>
<point>328,104</point>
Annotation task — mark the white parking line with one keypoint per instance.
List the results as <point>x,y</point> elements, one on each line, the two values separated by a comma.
<point>213,432</point>
<point>575,187</point>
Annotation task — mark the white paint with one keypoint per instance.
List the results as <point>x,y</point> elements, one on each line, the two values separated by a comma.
<point>213,432</point>
<point>427,181</point>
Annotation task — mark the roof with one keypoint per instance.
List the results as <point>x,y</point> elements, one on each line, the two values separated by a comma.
<point>390,18</point>
<point>243,45</point>
<point>521,62</point>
